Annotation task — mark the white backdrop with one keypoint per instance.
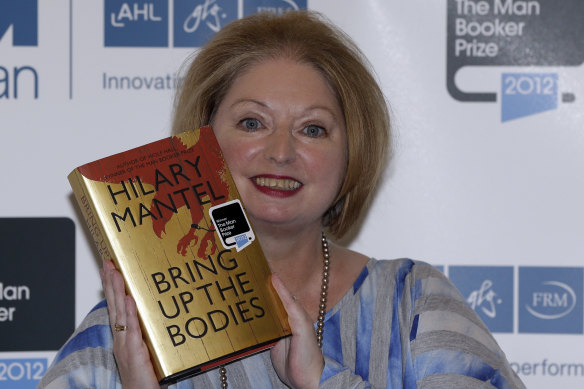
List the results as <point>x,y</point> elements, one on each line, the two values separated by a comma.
<point>464,187</point>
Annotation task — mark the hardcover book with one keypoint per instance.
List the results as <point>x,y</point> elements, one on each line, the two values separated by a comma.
<point>169,215</point>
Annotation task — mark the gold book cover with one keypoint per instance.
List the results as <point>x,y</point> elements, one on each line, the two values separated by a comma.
<point>169,215</point>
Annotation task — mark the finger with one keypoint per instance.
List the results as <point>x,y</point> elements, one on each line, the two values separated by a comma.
<point>134,342</point>
<point>119,298</point>
<point>134,333</point>
<point>298,318</point>
<point>108,290</point>
<point>285,295</point>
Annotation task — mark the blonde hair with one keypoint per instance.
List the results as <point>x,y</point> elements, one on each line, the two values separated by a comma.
<point>306,37</point>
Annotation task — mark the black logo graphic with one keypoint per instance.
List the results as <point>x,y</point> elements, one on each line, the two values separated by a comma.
<point>37,283</point>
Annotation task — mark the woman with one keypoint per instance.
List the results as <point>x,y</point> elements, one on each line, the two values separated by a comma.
<point>304,129</point>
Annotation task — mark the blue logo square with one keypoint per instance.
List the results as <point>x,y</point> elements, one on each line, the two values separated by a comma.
<point>525,94</point>
<point>22,15</point>
<point>550,300</point>
<point>136,23</point>
<point>22,373</point>
<point>489,292</point>
<point>197,21</point>
<point>277,6</point>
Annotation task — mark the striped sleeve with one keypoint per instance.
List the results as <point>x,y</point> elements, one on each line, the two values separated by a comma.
<point>86,360</point>
<point>450,345</point>
<point>406,326</point>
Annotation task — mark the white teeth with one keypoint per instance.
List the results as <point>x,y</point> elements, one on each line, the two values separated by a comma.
<point>277,183</point>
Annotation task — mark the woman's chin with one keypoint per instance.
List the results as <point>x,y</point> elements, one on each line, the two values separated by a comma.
<point>271,220</point>
<point>274,219</point>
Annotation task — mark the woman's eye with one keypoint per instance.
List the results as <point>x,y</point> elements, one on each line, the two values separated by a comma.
<point>314,131</point>
<point>251,124</point>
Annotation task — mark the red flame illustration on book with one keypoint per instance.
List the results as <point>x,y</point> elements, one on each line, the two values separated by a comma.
<point>181,176</point>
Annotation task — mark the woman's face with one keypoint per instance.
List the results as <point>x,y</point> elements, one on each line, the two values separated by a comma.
<point>283,135</point>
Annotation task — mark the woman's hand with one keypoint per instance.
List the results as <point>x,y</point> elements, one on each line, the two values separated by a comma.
<point>297,359</point>
<point>130,351</point>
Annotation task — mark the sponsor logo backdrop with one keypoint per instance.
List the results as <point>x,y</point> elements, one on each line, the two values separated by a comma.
<point>486,181</point>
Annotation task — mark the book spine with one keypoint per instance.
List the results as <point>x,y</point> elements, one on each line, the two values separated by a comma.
<point>91,216</point>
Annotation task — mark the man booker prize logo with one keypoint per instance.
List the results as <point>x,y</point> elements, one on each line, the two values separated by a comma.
<point>513,33</point>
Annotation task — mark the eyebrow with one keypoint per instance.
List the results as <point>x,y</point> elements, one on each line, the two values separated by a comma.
<point>310,108</point>
<point>246,100</point>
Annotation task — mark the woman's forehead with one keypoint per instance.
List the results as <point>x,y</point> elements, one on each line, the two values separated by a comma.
<point>282,78</point>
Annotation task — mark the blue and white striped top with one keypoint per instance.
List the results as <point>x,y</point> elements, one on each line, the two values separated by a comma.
<point>401,325</point>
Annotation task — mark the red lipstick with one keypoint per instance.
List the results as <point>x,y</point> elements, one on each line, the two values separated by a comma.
<point>276,186</point>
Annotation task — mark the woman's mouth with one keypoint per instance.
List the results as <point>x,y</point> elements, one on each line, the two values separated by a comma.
<point>276,186</point>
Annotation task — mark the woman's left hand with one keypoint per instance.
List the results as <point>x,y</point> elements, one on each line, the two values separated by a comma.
<point>130,351</point>
<point>297,359</point>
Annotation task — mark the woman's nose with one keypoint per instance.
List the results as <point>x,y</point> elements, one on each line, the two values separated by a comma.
<point>280,147</point>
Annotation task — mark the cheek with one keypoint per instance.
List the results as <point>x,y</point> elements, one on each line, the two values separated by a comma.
<point>230,153</point>
<point>338,172</point>
<point>329,168</point>
<point>341,173</point>
<point>337,162</point>
<point>237,153</point>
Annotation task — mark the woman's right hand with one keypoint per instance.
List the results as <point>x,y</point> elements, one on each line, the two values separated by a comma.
<point>130,351</point>
<point>297,359</point>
